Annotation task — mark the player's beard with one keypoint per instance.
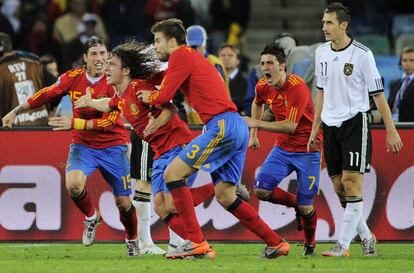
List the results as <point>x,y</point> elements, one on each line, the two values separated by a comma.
<point>163,57</point>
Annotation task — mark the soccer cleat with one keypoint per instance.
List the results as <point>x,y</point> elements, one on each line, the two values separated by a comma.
<point>299,226</point>
<point>211,254</point>
<point>243,193</point>
<point>89,231</point>
<point>132,248</point>
<point>272,252</point>
<point>189,248</point>
<point>336,251</point>
<point>368,246</point>
<point>151,250</point>
<point>309,250</point>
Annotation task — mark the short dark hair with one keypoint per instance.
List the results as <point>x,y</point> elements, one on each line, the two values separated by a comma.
<point>172,28</point>
<point>138,57</point>
<point>93,41</point>
<point>342,12</point>
<point>232,47</point>
<point>276,51</point>
<point>47,59</point>
<point>6,44</point>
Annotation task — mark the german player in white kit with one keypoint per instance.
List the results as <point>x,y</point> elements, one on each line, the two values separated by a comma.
<point>346,75</point>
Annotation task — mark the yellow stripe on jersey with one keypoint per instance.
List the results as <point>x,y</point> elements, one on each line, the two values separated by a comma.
<point>210,147</point>
<point>293,114</point>
<point>108,121</point>
<point>41,91</point>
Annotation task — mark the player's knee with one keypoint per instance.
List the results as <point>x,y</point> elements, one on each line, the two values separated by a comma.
<point>161,211</point>
<point>226,197</point>
<point>74,187</point>
<point>305,209</point>
<point>351,187</point>
<point>123,203</point>
<point>262,194</point>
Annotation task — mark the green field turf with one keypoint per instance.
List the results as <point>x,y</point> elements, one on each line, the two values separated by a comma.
<point>238,258</point>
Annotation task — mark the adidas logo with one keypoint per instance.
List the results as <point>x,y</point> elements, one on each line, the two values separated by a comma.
<point>336,59</point>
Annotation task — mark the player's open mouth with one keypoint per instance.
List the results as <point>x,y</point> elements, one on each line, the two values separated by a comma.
<point>268,76</point>
<point>99,65</point>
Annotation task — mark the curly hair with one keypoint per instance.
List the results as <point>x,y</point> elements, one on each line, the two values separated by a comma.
<point>138,57</point>
<point>276,51</point>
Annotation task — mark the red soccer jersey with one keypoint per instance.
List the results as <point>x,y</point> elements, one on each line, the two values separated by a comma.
<point>110,130</point>
<point>293,101</point>
<point>174,133</point>
<point>198,80</point>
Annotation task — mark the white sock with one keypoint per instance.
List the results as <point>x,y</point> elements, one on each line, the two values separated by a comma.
<point>175,239</point>
<point>363,230</point>
<point>143,210</point>
<point>352,215</point>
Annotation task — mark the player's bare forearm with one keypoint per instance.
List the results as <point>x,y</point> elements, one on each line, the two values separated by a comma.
<point>283,126</point>
<point>385,112</point>
<point>102,105</point>
<point>318,110</point>
<point>167,113</point>
<point>21,108</point>
<point>257,111</point>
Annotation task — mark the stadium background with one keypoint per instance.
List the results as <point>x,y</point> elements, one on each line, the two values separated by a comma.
<point>35,206</point>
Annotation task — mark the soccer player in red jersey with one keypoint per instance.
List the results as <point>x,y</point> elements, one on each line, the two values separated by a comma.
<point>289,99</point>
<point>130,67</point>
<point>99,142</point>
<point>220,150</point>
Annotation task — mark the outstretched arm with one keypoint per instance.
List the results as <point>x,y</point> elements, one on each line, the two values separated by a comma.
<point>9,119</point>
<point>86,100</point>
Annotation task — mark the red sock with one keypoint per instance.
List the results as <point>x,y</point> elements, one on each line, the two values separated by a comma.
<point>129,220</point>
<point>184,204</point>
<point>84,203</point>
<point>282,197</point>
<point>201,194</point>
<point>175,222</point>
<point>309,227</point>
<point>251,219</point>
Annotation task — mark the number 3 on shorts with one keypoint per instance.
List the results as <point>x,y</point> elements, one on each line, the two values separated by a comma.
<point>194,151</point>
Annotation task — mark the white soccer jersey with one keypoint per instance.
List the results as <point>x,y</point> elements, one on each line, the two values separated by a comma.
<point>346,77</point>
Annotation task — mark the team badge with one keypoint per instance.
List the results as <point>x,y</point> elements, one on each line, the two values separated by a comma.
<point>134,108</point>
<point>348,68</point>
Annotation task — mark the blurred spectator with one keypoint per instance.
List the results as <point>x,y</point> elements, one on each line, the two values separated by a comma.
<point>66,26</point>
<point>49,62</point>
<point>56,8</point>
<point>20,78</point>
<point>73,50</point>
<point>125,18</point>
<point>158,10</point>
<point>39,39</point>
<point>230,19</point>
<point>229,55</point>
<point>10,22</point>
<point>201,9</point>
<point>401,99</point>
<point>197,39</point>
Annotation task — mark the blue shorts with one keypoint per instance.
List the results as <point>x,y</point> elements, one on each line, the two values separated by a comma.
<point>280,163</point>
<point>112,162</point>
<point>158,169</point>
<point>221,149</point>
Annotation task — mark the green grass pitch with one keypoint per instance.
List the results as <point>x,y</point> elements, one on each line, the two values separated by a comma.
<point>237,258</point>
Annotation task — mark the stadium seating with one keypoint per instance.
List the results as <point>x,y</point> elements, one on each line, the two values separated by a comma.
<point>401,24</point>
<point>389,69</point>
<point>379,44</point>
<point>402,41</point>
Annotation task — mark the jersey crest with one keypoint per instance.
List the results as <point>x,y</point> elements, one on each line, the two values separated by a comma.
<point>348,69</point>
